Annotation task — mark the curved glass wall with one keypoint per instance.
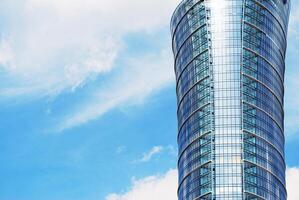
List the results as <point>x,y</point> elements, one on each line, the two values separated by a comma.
<point>194,85</point>
<point>264,48</point>
<point>229,66</point>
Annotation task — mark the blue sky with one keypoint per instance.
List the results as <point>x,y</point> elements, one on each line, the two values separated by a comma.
<point>87,100</point>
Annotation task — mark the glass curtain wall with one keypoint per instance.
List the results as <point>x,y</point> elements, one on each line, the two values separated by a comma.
<point>229,66</point>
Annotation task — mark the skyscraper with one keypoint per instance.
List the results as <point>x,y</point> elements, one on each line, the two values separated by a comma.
<point>229,65</point>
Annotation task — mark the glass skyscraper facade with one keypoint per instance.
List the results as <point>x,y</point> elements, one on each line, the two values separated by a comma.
<point>230,65</point>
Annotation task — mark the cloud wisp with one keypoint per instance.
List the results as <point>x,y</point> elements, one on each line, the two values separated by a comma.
<point>155,151</point>
<point>139,79</point>
<point>148,155</point>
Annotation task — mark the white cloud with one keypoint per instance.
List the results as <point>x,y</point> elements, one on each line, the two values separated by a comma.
<point>48,47</point>
<point>153,187</point>
<point>140,78</point>
<point>55,45</point>
<point>5,52</point>
<point>292,183</point>
<point>148,155</point>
